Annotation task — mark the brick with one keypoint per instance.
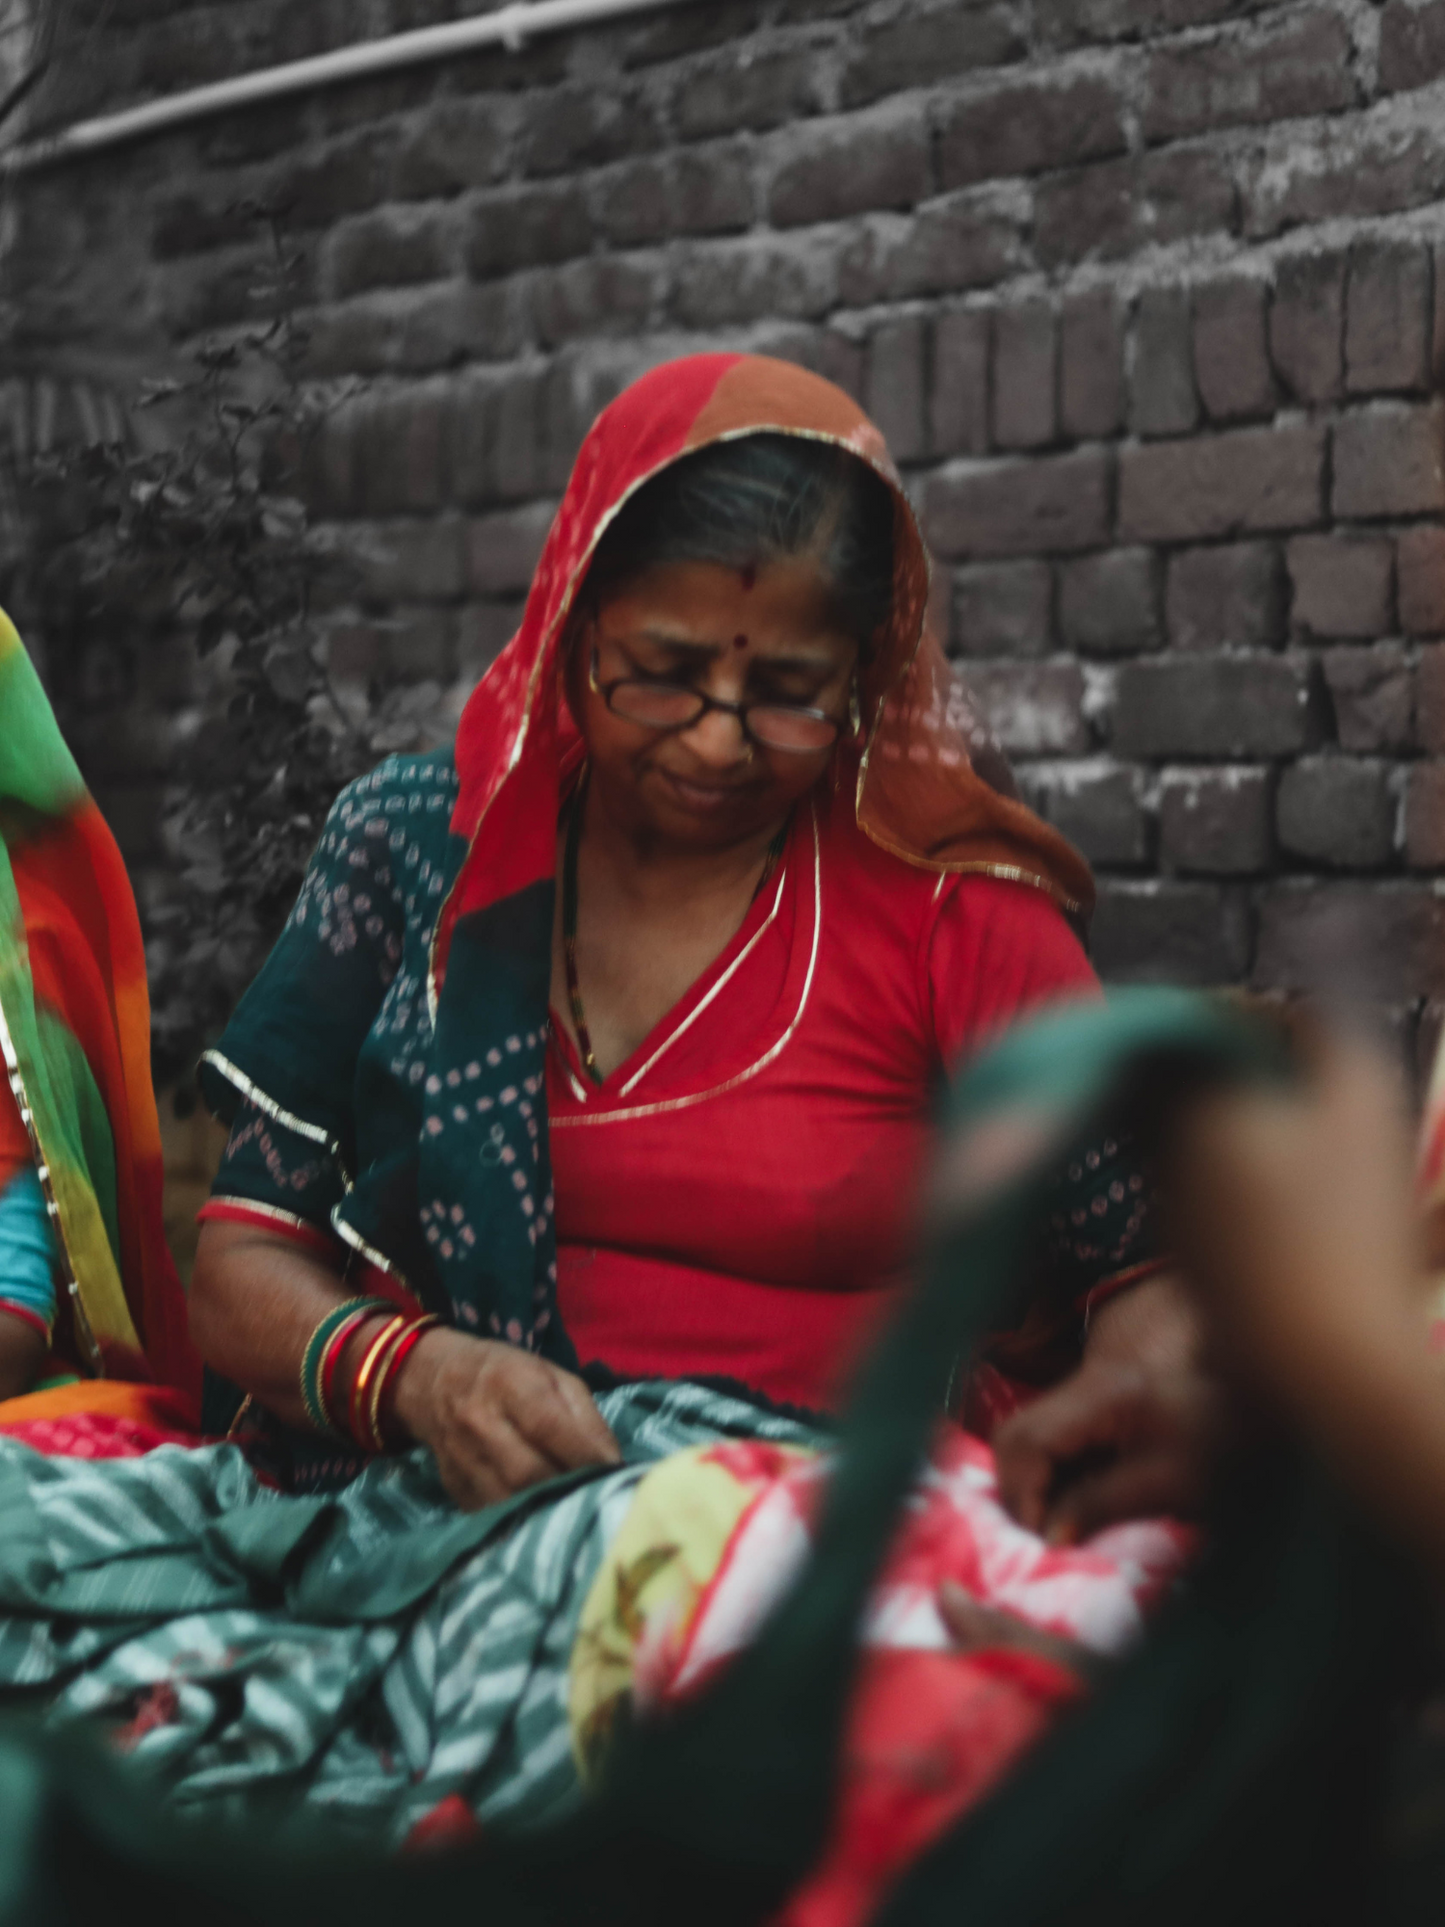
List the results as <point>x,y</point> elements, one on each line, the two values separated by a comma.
<point>1306,325</point>
<point>577,127</point>
<point>1342,584</point>
<point>1168,932</point>
<point>1054,503</point>
<point>605,294</point>
<point>1230,597</point>
<point>741,89</point>
<point>192,224</point>
<point>394,247</point>
<point>502,550</point>
<point>1100,810</point>
<point>1240,481</point>
<point>1386,941</point>
<point>527,227</point>
<point>828,170</point>
<point>700,191</point>
<point>416,331</point>
<point>1389,460</point>
<point>410,561</point>
<point>1032,708</point>
<point>483,631</point>
<point>1003,609</point>
<point>1430,699</point>
<point>1024,375</point>
<point>1371,167</point>
<point>402,455</point>
<point>951,243</point>
<point>1412,44</point>
<point>761,276</point>
<point>1086,212</point>
<point>1302,65</point>
<point>632,204</point>
<point>1387,319</point>
<point>1091,365</point>
<point>1420,565</point>
<point>1214,706</point>
<point>497,450</point>
<point>712,189</point>
<point>958,410</point>
<point>1162,398</point>
<point>927,44</point>
<point>453,146</point>
<point>895,385</point>
<point>1188,191</point>
<point>1109,603</point>
<point>1216,822</point>
<point>1026,127</point>
<point>1373,694</point>
<point>1079,23</point>
<point>311,189</point>
<point>1336,811</point>
<point>1425,817</point>
<point>1231,359</point>
<point>685,30</point>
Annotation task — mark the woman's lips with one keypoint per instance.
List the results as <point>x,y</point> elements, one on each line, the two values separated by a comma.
<point>703,799</point>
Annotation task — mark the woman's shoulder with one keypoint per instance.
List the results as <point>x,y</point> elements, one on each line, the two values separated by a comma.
<point>423,784</point>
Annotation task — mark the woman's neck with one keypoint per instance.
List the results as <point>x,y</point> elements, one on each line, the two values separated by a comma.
<point>651,871</point>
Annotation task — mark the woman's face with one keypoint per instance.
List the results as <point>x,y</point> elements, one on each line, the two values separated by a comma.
<point>764,636</point>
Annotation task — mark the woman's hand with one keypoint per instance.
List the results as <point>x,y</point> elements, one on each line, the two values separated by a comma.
<point>1136,1431</point>
<point>497,1419</point>
<point>1114,1441</point>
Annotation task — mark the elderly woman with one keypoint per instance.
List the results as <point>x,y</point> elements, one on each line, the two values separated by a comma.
<point>577,1121</point>
<point>613,1037</point>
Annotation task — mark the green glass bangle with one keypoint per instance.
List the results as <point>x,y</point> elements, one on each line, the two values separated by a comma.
<point>316,1350</point>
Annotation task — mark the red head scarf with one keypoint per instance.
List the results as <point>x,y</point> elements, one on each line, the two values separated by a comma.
<point>918,792</point>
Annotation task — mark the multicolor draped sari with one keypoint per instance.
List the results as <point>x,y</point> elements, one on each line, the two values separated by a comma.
<point>75,1038</point>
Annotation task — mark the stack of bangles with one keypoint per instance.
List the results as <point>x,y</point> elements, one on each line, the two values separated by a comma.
<point>366,1417</point>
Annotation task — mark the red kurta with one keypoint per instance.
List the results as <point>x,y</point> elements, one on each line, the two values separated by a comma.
<point>739,1196</point>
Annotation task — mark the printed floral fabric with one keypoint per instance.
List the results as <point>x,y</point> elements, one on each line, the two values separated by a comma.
<point>714,1537</point>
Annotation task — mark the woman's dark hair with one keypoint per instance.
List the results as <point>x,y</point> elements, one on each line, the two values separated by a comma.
<point>759,499</point>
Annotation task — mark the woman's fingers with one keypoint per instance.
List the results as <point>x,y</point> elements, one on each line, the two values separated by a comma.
<point>1142,1486</point>
<point>1083,1415</point>
<point>557,1414</point>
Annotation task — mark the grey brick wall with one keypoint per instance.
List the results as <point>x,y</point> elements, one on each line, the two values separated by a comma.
<point>1149,296</point>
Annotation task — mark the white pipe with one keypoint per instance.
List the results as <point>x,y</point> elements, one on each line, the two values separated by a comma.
<point>510,27</point>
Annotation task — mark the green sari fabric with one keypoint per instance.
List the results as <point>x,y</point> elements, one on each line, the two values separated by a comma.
<point>1231,1769</point>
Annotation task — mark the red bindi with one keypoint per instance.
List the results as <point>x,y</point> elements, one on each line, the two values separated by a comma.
<point>740,642</point>
<point>750,575</point>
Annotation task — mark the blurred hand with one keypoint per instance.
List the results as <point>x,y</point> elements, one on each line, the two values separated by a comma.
<point>1114,1441</point>
<point>1293,1214</point>
<point>497,1419</point>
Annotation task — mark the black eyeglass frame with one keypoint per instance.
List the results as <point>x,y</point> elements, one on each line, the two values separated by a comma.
<point>705,703</point>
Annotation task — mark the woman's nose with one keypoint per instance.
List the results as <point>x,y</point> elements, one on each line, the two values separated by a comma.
<point>717,738</point>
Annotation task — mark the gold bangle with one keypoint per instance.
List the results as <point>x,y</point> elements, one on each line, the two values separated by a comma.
<point>393,1327</point>
<point>373,1408</point>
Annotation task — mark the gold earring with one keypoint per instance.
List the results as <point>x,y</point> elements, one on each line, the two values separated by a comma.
<point>855,712</point>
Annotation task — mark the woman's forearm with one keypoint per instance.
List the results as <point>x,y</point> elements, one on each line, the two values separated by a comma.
<point>255,1300</point>
<point>22,1354</point>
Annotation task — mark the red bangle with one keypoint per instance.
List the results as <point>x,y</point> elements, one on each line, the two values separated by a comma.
<point>386,1391</point>
<point>331,1359</point>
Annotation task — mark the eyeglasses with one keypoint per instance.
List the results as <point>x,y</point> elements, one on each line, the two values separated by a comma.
<point>673,705</point>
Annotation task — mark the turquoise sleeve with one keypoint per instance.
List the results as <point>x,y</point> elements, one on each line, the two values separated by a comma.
<point>28,1252</point>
